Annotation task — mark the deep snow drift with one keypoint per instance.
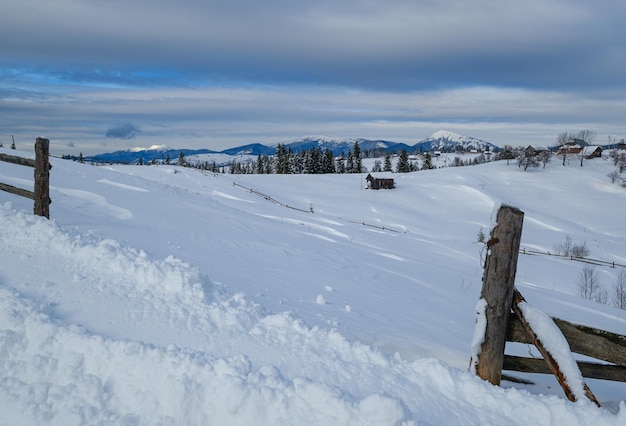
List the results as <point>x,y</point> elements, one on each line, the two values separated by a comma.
<point>162,295</point>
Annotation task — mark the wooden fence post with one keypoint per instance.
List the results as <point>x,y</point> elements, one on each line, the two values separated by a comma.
<point>42,178</point>
<point>497,291</point>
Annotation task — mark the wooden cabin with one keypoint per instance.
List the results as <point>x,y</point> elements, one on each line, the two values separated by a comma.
<point>592,151</point>
<point>378,183</point>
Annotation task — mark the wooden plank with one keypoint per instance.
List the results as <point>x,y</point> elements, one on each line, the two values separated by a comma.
<point>599,344</point>
<point>497,290</point>
<point>42,178</point>
<point>589,370</point>
<point>17,160</point>
<point>547,356</point>
<point>17,191</point>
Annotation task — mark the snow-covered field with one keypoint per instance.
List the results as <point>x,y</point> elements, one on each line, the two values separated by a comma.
<point>162,295</point>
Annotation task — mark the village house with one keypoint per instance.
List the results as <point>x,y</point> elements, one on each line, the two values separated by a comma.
<point>572,147</point>
<point>592,151</point>
<point>533,151</point>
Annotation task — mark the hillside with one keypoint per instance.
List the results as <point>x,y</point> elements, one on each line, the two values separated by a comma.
<point>162,295</point>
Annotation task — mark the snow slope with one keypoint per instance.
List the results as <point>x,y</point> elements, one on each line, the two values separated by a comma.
<point>161,295</point>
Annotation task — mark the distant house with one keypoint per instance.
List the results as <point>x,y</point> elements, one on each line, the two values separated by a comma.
<point>533,151</point>
<point>572,147</point>
<point>378,183</point>
<point>592,151</point>
<point>507,154</point>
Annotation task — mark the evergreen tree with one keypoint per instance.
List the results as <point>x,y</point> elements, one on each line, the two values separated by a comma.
<point>357,161</point>
<point>268,165</point>
<point>403,165</point>
<point>315,161</point>
<point>341,165</point>
<point>167,158</point>
<point>428,162</point>
<point>181,159</point>
<point>141,161</point>
<point>387,166</point>
<point>80,158</point>
<point>350,162</point>
<point>281,160</point>
<point>259,164</point>
<point>328,162</point>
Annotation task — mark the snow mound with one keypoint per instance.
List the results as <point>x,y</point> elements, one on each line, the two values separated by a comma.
<point>105,347</point>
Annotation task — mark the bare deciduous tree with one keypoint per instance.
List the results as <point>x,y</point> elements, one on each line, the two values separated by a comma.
<point>589,286</point>
<point>613,175</point>
<point>525,161</point>
<point>567,248</point>
<point>580,250</point>
<point>564,248</point>
<point>545,157</point>
<point>619,290</point>
<point>562,138</point>
<point>587,135</point>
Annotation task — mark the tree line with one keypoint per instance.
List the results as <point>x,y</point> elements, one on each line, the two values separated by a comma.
<point>323,161</point>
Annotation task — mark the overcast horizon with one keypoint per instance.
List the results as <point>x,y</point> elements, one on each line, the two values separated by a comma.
<point>102,76</point>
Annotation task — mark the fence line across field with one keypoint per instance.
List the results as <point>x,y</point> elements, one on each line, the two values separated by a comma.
<point>272,200</point>
<point>588,260</point>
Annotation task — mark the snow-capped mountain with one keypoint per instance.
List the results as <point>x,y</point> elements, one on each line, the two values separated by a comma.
<point>444,140</point>
<point>251,149</point>
<point>441,140</point>
<point>134,155</point>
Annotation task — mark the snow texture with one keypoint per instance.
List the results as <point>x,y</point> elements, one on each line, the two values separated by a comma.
<point>479,333</point>
<point>166,296</point>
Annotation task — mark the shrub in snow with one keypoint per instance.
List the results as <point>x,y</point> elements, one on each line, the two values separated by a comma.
<point>568,248</point>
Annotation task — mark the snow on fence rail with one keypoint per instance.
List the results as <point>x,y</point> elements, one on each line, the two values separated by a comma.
<point>503,315</point>
<point>41,163</point>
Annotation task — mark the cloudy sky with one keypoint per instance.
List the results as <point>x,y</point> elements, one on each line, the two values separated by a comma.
<point>101,75</point>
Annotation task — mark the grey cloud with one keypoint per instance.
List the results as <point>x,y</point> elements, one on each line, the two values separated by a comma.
<point>236,71</point>
<point>398,44</point>
<point>122,131</point>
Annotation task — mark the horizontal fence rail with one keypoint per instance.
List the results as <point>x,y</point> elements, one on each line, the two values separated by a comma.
<point>41,193</point>
<point>599,344</point>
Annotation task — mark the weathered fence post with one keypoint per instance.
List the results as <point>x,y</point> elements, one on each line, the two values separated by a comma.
<point>497,291</point>
<point>42,178</point>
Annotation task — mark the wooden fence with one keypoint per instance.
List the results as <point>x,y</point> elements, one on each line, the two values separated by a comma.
<point>41,164</point>
<point>582,259</point>
<point>505,321</point>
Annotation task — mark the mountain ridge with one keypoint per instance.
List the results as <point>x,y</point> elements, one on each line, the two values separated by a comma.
<point>441,140</point>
